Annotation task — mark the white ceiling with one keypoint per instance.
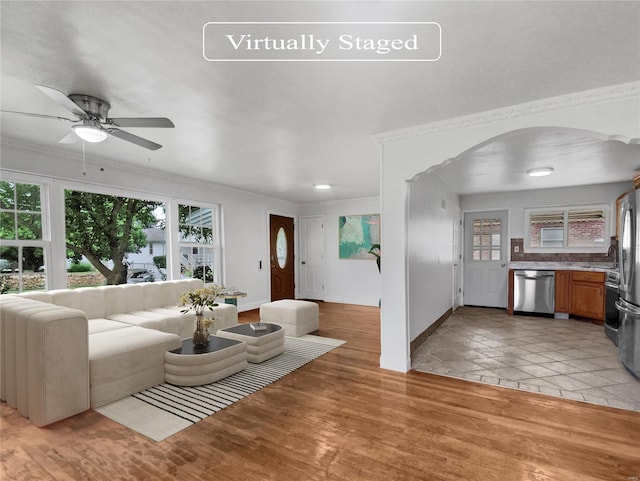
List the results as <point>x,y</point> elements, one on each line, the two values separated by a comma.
<point>278,128</point>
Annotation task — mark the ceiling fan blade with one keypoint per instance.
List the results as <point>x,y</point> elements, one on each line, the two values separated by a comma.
<point>156,122</point>
<point>70,138</point>
<point>37,115</point>
<point>62,100</point>
<point>147,144</point>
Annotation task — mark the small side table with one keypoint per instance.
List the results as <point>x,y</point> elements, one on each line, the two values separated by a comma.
<point>263,340</point>
<point>232,297</point>
<point>195,366</point>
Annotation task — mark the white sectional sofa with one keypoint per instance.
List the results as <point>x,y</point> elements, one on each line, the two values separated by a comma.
<point>66,350</point>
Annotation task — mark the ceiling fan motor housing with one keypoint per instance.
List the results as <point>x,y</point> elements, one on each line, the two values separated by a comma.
<point>95,107</point>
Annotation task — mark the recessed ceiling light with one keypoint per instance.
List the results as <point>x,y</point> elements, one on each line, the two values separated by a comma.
<point>322,186</point>
<point>541,172</point>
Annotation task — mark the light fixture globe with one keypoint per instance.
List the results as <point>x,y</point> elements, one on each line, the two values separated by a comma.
<point>322,186</point>
<point>541,172</point>
<point>90,131</point>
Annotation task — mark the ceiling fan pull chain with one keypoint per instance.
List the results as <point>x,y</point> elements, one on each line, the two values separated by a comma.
<point>84,161</point>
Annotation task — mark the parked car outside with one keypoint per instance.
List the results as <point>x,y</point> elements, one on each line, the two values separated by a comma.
<point>140,276</point>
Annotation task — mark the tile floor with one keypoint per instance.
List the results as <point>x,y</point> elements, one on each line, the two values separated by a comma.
<point>567,358</point>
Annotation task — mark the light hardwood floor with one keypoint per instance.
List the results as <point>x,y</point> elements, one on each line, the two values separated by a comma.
<point>342,418</point>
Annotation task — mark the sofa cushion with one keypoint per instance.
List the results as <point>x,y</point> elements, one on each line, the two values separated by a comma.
<point>12,314</point>
<point>152,296</point>
<point>7,300</point>
<point>92,302</point>
<point>102,324</point>
<point>58,365</point>
<point>125,361</point>
<point>67,298</point>
<point>42,296</point>
<point>23,348</point>
<point>133,297</point>
<point>147,322</point>
<point>113,300</point>
<point>172,290</point>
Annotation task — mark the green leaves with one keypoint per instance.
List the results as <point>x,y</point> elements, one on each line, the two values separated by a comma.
<point>106,227</point>
<point>375,250</point>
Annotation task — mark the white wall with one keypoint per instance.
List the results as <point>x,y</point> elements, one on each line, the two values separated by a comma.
<point>350,281</point>
<point>517,202</point>
<point>612,111</point>
<point>244,215</point>
<point>432,210</point>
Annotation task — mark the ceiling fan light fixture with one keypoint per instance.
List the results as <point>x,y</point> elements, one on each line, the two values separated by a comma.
<point>90,133</point>
<point>541,172</point>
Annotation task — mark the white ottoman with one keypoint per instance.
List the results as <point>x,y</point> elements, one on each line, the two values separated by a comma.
<point>297,317</point>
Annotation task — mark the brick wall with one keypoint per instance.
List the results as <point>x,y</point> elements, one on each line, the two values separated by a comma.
<point>581,233</point>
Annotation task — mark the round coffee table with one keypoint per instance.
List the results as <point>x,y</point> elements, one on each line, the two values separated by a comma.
<point>195,366</point>
<point>264,340</point>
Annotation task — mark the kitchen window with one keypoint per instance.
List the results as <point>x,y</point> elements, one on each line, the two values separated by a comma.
<point>568,229</point>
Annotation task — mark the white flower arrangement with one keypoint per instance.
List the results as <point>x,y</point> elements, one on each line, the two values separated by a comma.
<point>198,299</point>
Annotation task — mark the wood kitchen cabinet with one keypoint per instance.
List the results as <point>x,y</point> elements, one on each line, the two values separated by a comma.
<point>563,291</point>
<point>587,294</point>
<point>618,201</point>
<point>579,293</point>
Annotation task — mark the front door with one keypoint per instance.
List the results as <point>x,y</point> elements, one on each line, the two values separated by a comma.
<point>485,259</point>
<point>281,257</point>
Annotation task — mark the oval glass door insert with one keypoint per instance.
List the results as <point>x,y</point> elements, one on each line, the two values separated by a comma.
<point>281,247</point>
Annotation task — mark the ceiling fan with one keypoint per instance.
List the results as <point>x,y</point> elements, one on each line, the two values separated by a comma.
<point>92,122</point>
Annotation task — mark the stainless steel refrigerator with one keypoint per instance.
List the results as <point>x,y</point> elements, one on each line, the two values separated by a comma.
<point>629,301</point>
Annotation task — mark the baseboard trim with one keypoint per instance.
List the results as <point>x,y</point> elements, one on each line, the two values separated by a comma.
<point>422,337</point>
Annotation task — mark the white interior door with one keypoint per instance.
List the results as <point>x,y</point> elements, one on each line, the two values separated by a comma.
<point>312,257</point>
<point>457,260</point>
<point>485,259</point>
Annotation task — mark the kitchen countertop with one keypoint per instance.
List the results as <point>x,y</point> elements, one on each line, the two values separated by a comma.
<point>563,266</point>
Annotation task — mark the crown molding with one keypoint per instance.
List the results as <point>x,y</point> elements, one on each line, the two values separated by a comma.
<point>611,93</point>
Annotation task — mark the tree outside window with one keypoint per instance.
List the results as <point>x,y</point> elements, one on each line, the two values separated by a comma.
<point>103,229</point>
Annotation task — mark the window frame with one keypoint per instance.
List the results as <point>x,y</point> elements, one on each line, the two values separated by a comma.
<point>215,246</point>
<point>565,240</point>
<point>45,239</point>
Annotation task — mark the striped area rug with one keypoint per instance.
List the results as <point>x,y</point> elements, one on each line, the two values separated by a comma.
<point>164,410</point>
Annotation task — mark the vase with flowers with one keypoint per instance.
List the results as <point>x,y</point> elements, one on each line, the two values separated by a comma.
<point>197,301</point>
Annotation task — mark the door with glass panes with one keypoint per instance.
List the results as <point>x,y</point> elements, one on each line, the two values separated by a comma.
<point>281,253</point>
<point>485,259</point>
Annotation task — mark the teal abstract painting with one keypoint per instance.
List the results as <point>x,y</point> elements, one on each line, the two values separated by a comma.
<point>356,235</point>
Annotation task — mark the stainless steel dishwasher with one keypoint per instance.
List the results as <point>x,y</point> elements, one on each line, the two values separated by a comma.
<point>534,291</point>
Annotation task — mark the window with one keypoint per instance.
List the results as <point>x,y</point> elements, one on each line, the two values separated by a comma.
<point>199,244</point>
<point>486,239</point>
<point>110,235</point>
<point>572,229</point>
<point>22,259</point>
